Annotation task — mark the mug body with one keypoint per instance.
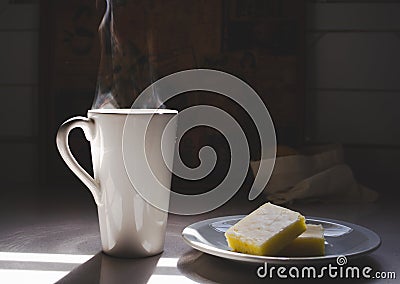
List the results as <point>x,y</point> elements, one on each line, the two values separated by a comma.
<point>130,226</point>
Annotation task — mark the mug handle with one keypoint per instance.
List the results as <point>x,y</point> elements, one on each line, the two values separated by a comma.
<point>87,125</point>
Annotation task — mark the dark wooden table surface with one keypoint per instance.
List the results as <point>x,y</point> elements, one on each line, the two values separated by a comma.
<point>56,238</point>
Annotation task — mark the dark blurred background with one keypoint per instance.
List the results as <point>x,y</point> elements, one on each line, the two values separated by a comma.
<point>328,71</point>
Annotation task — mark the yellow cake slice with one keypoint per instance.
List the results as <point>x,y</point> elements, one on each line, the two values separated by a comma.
<point>309,243</point>
<point>265,231</point>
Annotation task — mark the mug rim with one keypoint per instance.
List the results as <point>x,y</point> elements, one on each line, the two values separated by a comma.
<point>125,111</point>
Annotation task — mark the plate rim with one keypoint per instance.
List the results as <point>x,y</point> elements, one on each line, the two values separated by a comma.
<point>277,259</point>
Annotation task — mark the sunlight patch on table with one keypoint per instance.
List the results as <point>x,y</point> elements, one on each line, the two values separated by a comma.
<point>173,279</point>
<point>30,276</point>
<point>167,262</point>
<point>44,257</point>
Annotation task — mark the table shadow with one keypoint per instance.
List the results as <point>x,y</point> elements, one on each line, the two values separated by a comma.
<point>105,269</point>
<point>204,268</point>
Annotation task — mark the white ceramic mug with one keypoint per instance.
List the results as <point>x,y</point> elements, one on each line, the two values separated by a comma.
<point>129,225</point>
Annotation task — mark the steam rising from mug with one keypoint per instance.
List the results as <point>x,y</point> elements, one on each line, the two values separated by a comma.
<point>124,69</point>
<point>128,75</point>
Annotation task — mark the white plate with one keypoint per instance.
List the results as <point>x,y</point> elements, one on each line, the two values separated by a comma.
<point>341,239</point>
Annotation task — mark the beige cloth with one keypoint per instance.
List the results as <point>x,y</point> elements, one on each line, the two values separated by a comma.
<point>319,174</point>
